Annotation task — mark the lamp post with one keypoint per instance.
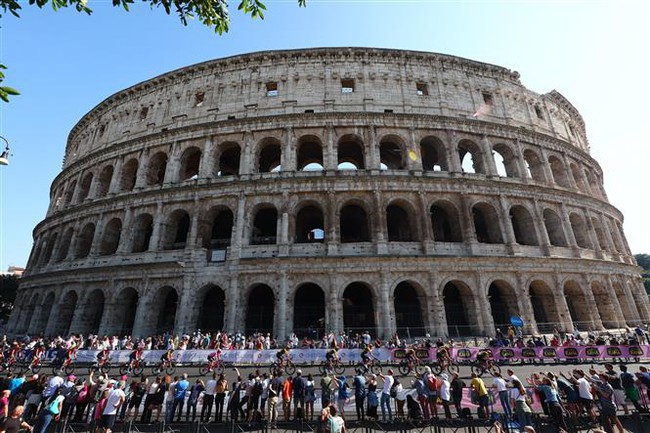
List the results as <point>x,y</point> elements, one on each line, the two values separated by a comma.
<point>4,157</point>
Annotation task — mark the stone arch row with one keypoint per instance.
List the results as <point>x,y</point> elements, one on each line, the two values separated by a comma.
<point>456,307</point>
<point>433,152</point>
<point>400,219</point>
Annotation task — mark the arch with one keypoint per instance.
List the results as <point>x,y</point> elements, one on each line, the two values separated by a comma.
<point>84,187</point>
<point>399,224</point>
<point>44,317</point>
<point>64,245</point>
<point>260,310</point>
<point>309,153</point>
<point>577,304</point>
<point>409,310</point>
<point>354,224</point>
<point>503,302</point>
<point>104,181</point>
<point>434,154</point>
<point>544,306</point>
<point>591,185</point>
<point>559,172</point>
<point>265,226</point>
<point>126,307</point>
<point>85,241</point>
<point>92,312</point>
<point>111,240</point>
<point>470,157</point>
<point>129,175</point>
<point>627,305</point>
<point>459,309</point>
<point>211,309</point>
<point>156,169</point>
<point>69,193</point>
<point>508,166</point>
<point>309,311</point>
<point>219,230</point>
<point>310,225</point>
<point>615,234</point>
<point>600,234</point>
<point>358,308</point>
<point>189,164</point>
<point>49,248</point>
<point>350,153</point>
<point>391,153</point>
<point>578,178</point>
<point>486,224</point>
<point>579,228</point>
<point>534,166</point>
<point>605,307</point>
<point>229,159</point>
<point>270,156</point>
<point>67,307</point>
<point>445,222</point>
<point>523,226</point>
<point>141,234</point>
<point>29,310</point>
<point>177,230</point>
<point>167,307</point>
<point>554,228</point>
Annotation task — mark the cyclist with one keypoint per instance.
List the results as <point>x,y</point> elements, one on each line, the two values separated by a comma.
<point>409,355</point>
<point>167,357</point>
<point>443,356</point>
<point>102,356</point>
<point>136,356</point>
<point>332,356</point>
<point>366,354</point>
<point>71,353</point>
<point>483,358</point>
<point>38,352</point>
<point>282,356</point>
<point>215,357</point>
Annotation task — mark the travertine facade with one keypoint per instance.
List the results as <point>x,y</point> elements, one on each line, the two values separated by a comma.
<point>356,188</point>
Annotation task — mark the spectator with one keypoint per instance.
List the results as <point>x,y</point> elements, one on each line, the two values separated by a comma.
<point>115,399</point>
<point>220,397</point>
<point>360,394</point>
<point>310,397</point>
<point>208,398</point>
<point>373,400</point>
<point>180,390</point>
<point>480,396</point>
<point>195,391</point>
<point>385,396</point>
<point>298,395</point>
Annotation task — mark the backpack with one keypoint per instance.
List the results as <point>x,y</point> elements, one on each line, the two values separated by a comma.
<point>393,390</point>
<point>432,384</point>
<point>257,388</point>
<point>71,395</point>
<point>140,389</point>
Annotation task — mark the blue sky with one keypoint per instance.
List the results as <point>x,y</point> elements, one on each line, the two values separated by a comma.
<point>596,53</point>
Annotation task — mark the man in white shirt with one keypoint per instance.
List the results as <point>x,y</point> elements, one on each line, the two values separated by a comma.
<point>584,393</point>
<point>115,399</point>
<point>389,380</point>
<point>500,384</point>
<point>208,398</point>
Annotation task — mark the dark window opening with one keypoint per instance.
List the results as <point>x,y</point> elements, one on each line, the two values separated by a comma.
<point>347,85</point>
<point>271,89</point>
<point>488,99</point>
<point>354,224</point>
<point>538,112</point>
<point>421,89</point>
<point>265,226</point>
<point>309,225</point>
<point>229,161</point>
<point>199,97</point>
<point>143,113</point>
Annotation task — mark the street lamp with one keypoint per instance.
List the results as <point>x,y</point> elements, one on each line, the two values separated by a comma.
<point>4,157</point>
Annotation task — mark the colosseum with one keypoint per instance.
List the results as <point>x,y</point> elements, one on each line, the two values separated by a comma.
<point>330,189</point>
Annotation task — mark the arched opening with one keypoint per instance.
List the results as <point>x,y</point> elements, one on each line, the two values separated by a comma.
<point>189,164</point>
<point>156,169</point>
<point>354,225</point>
<point>67,308</point>
<point>310,226</point>
<point>178,229</point>
<point>229,160</point>
<point>111,240</point>
<point>104,181</point>
<point>506,163</point>
<point>84,187</point>
<point>129,175</point>
<point>554,229</point>
<point>141,235</point>
<point>591,185</point>
<point>544,307</point>
<point>577,303</point>
<point>391,155</point>
<point>445,222</point>
<point>168,303</point>
<point>470,157</point>
<point>579,230</point>
<point>459,307</point>
<point>69,192</point>
<point>64,246</point>
<point>398,224</point>
<point>523,226</point>
<point>486,224</point>
<point>211,309</point>
<point>310,153</point>
<point>260,310</point>
<point>125,311</point>
<point>49,247</point>
<point>220,230</point>
<point>579,178</point>
<point>559,172</point>
<point>534,166</point>
<point>503,303</point>
<point>350,153</point>
<point>605,306</point>
<point>408,311</point>
<point>85,241</point>
<point>29,315</point>
<point>92,313</point>
<point>265,226</point>
<point>309,311</point>
<point>270,156</point>
<point>44,317</point>
<point>358,308</point>
<point>600,234</point>
<point>627,305</point>
<point>434,155</point>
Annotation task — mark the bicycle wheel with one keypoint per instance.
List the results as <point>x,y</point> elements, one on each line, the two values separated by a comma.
<point>273,367</point>
<point>171,369</point>
<point>420,369</point>
<point>35,368</point>
<point>494,369</point>
<point>105,369</point>
<point>156,370</point>
<point>290,368</point>
<point>476,369</point>
<point>453,368</point>
<point>69,369</point>
<point>436,368</point>
<point>124,369</point>
<point>219,369</point>
<point>137,370</point>
<point>375,368</point>
<point>204,369</point>
<point>339,368</point>
<point>403,368</point>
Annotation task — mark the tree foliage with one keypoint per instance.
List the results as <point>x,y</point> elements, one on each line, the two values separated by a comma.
<point>8,289</point>
<point>211,13</point>
<point>643,260</point>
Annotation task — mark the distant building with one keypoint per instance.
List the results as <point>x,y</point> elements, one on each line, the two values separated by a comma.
<point>14,270</point>
<point>340,188</point>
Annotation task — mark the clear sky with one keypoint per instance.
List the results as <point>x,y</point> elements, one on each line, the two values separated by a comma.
<point>596,53</point>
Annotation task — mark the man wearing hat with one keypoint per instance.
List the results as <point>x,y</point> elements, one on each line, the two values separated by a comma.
<point>115,400</point>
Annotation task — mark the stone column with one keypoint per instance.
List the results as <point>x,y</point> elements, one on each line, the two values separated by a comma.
<point>126,236</point>
<point>287,158</point>
<point>596,321</point>
<point>386,308</point>
<point>425,221</point>
<point>562,306</point>
<point>593,238</point>
<point>525,306</point>
<point>521,162</point>
<point>206,167</point>
<point>233,296</point>
<point>158,226</point>
<point>640,298</point>
<point>483,306</point>
<point>141,175</point>
<point>146,319</point>
<point>437,314</point>
<point>98,237</point>
<point>188,307</point>
<point>372,155</point>
<point>380,218</point>
<point>618,310</point>
<point>452,153</point>
<point>283,319</point>
<point>330,160</point>
<point>540,226</point>
<point>336,323</point>
<point>332,223</point>
<point>413,149</point>
<point>32,327</point>
<point>248,166</point>
<point>568,229</point>
<point>193,235</point>
<point>173,164</point>
<point>508,231</point>
<point>569,174</point>
<point>548,173</point>
<point>114,186</point>
<point>608,235</point>
<point>488,160</point>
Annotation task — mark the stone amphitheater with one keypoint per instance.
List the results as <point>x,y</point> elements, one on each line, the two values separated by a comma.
<point>330,189</point>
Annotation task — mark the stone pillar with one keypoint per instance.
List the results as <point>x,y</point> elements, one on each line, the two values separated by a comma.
<point>126,237</point>
<point>521,162</point>
<point>98,237</point>
<point>330,160</point>
<point>506,225</point>
<point>596,321</point>
<point>32,328</point>
<point>426,235</point>
<point>562,306</point>
<point>640,298</point>
<point>188,307</point>
<point>593,238</point>
<point>232,305</point>
<point>114,186</point>
<point>50,326</point>
<point>413,149</point>
<point>332,223</point>
<point>146,317</point>
<point>372,154</point>
<point>569,175</point>
<point>568,229</point>
<point>287,158</point>
<point>380,218</point>
<point>158,226</point>
<point>283,319</point>
<point>525,306</point>
<point>385,308</point>
<point>548,173</point>
<point>483,307</point>
<point>206,167</point>
<point>193,235</point>
<point>488,160</point>
<point>452,153</point>
<point>437,314</point>
<point>618,310</point>
<point>247,165</point>
<point>173,164</point>
<point>608,235</point>
<point>540,226</point>
<point>141,175</point>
